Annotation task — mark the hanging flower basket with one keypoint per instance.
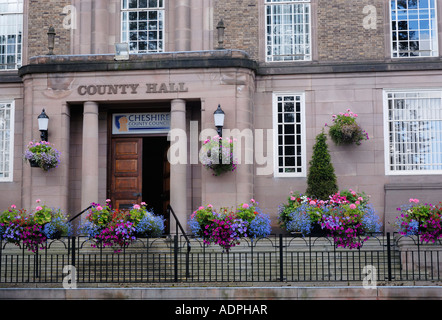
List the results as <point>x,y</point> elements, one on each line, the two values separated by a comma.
<point>33,228</point>
<point>119,228</point>
<point>226,227</point>
<point>42,154</point>
<point>345,129</point>
<point>418,219</point>
<point>217,155</point>
<point>346,216</point>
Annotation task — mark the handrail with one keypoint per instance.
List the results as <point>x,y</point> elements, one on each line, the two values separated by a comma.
<point>79,214</point>
<point>178,224</point>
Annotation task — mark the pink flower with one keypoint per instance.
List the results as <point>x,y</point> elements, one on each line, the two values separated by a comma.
<point>312,202</point>
<point>136,206</point>
<point>38,200</point>
<point>352,206</point>
<point>414,200</point>
<point>108,200</point>
<point>99,208</point>
<point>201,208</point>
<point>245,206</point>
<point>38,208</point>
<point>13,206</point>
<point>143,203</point>
<point>292,198</point>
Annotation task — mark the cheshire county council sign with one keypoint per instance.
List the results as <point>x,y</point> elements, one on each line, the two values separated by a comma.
<point>140,123</point>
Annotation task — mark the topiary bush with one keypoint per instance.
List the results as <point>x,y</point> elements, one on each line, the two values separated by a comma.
<point>321,178</point>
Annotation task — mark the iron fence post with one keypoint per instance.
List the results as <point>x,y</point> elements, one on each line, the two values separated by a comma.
<point>389,262</point>
<point>281,259</point>
<point>73,252</point>
<point>175,256</point>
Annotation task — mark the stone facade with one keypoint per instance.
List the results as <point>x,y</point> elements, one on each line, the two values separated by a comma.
<point>349,70</point>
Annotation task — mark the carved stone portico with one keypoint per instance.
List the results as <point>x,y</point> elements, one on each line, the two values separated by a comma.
<point>91,88</point>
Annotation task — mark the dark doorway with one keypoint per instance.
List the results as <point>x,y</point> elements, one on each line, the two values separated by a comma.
<point>156,176</point>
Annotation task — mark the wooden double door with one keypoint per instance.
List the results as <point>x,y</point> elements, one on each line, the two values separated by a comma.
<point>139,172</point>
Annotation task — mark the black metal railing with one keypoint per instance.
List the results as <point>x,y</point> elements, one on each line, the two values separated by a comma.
<point>277,258</point>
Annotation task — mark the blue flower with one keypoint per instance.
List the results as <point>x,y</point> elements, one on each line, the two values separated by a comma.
<point>300,220</point>
<point>370,220</point>
<point>194,226</point>
<point>260,226</point>
<point>150,226</point>
<point>57,227</point>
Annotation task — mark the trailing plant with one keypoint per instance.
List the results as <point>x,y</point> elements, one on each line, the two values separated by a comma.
<point>226,227</point>
<point>119,228</point>
<point>421,219</point>
<point>347,220</point>
<point>33,228</point>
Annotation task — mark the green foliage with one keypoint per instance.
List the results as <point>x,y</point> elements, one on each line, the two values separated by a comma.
<point>321,178</point>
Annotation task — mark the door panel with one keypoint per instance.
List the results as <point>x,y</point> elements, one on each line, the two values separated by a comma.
<point>126,172</point>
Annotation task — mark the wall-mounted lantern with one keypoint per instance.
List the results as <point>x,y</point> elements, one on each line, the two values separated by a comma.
<point>218,117</point>
<point>43,123</point>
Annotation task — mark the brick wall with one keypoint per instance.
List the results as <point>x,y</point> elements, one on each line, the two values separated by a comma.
<point>341,35</point>
<point>241,21</point>
<point>43,14</point>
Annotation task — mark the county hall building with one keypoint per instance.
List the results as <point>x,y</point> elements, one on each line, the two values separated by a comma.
<point>124,81</point>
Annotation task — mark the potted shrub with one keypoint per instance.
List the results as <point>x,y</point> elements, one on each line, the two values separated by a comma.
<point>42,154</point>
<point>321,178</point>
<point>217,155</point>
<point>345,129</point>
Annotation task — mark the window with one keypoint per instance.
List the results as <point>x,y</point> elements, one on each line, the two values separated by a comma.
<point>413,131</point>
<point>414,28</point>
<point>142,25</point>
<point>288,30</point>
<point>289,128</point>
<point>11,30</point>
<point>6,140</point>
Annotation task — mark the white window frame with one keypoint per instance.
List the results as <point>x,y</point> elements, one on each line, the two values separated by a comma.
<point>425,93</point>
<point>432,29</point>
<point>276,123</point>
<point>292,34</point>
<point>125,30</point>
<point>9,9</point>
<point>11,143</point>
